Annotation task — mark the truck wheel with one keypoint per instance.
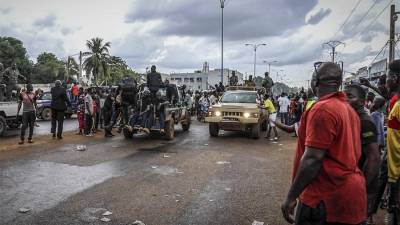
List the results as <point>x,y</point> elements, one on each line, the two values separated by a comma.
<point>127,133</point>
<point>3,126</point>
<point>46,114</point>
<point>255,131</point>
<point>186,125</point>
<point>170,129</point>
<point>214,129</point>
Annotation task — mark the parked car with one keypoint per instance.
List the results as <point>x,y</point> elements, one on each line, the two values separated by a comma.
<point>44,111</point>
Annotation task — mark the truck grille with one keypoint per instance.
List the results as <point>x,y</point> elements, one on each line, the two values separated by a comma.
<point>232,114</point>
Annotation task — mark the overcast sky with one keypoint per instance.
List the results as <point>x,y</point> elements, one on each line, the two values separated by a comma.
<point>179,35</point>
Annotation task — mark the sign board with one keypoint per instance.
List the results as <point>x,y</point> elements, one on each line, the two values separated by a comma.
<point>362,72</point>
<point>378,68</point>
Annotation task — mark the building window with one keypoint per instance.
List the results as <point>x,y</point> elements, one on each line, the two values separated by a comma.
<point>199,79</point>
<point>191,80</point>
<point>199,87</point>
<point>186,80</point>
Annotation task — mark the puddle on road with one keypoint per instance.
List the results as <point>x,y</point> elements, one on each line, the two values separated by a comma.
<point>40,185</point>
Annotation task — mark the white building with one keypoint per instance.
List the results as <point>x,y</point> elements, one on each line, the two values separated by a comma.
<point>204,79</point>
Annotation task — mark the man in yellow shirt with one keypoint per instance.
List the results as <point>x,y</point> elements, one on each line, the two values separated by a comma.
<point>269,106</point>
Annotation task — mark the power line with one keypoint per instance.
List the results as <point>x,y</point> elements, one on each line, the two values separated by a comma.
<point>366,14</point>
<point>348,17</point>
<point>384,47</point>
<point>373,21</point>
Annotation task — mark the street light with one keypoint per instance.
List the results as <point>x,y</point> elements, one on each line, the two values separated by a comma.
<point>269,65</point>
<point>277,75</point>
<point>255,46</point>
<point>222,40</point>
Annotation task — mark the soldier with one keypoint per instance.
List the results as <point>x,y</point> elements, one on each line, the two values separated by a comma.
<point>267,82</point>
<point>154,80</point>
<point>12,74</point>
<point>233,81</point>
<point>250,82</point>
<point>2,85</point>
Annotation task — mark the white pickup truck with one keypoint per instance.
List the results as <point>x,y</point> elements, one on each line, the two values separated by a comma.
<point>8,116</point>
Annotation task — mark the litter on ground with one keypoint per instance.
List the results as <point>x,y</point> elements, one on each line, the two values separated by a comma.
<point>105,219</point>
<point>108,213</point>
<point>23,210</point>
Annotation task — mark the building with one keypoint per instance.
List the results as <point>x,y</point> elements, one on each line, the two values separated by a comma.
<point>203,79</point>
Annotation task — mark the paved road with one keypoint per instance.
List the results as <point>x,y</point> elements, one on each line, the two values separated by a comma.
<point>194,179</point>
<point>44,128</point>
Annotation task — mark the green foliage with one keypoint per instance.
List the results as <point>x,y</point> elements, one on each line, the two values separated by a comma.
<point>105,68</point>
<point>118,69</point>
<point>71,67</point>
<point>97,58</point>
<point>12,50</point>
<point>48,69</point>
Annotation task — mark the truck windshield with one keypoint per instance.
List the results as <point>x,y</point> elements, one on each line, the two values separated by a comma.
<point>237,97</point>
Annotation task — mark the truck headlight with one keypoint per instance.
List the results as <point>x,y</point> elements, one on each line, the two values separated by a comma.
<point>217,113</point>
<point>246,115</point>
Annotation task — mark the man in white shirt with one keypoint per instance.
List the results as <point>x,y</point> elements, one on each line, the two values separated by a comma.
<point>89,113</point>
<point>284,103</point>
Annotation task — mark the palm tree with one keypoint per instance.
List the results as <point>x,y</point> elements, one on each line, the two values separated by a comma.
<point>97,59</point>
<point>71,67</point>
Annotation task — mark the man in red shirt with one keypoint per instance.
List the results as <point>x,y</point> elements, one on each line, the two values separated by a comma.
<point>326,178</point>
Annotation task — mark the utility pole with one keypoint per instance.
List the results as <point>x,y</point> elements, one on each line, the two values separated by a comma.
<point>333,45</point>
<point>393,18</point>
<point>80,67</point>
<point>222,40</point>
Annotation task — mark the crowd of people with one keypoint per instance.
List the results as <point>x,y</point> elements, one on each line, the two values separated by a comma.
<point>346,165</point>
<point>346,159</point>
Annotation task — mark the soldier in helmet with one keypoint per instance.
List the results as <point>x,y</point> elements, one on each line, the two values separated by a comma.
<point>233,80</point>
<point>12,74</point>
<point>2,85</point>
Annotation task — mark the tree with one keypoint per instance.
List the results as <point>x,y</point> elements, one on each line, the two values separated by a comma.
<point>12,50</point>
<point>71,67</point>
<point>48,69</point>
<point>96,62</point>
<point>118,69</point>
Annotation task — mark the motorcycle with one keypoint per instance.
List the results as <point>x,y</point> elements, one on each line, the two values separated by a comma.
<point>203,112</point>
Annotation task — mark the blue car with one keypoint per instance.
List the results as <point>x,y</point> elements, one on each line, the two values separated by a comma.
<point>44,111</point>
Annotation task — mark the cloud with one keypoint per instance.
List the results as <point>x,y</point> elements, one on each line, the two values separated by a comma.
<point>44,22</point>
<point>5,11</point>
<point>203,18</point>
<point>35,42</point>
<point>319,16</point>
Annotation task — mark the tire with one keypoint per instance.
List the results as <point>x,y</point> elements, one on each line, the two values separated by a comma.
<point>46,114</point>
<point>3,126</point>
<point>213,129</point>
<point>255,131</point>
<point>127,134</point>
<point>170,129</point>
<point>186,125</point>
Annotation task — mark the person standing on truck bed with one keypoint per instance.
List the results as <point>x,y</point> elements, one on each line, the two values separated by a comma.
<point>28,100</point>
<point>154,81</point>
<point>59,103</point>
